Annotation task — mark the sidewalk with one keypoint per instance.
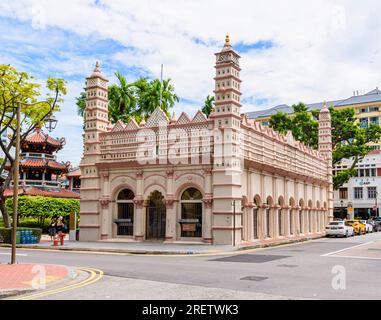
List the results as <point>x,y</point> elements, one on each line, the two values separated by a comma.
<point>22,278</point>
<point>154,248</point>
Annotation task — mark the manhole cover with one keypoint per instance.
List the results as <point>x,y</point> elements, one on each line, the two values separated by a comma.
<point>251,258</point>
<point>254,278</point>
<point>287,266</point>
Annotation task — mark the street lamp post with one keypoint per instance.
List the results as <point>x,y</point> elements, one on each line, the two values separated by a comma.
<point>376,211</point>
<point>51,123</point>
<point>233,204</point>
<point>16,183</point>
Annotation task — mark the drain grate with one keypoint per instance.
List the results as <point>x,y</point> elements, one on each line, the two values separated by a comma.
<point>254,278</point>
<point>287,266</point>
<point>251,258</point>
<point>374,249</point>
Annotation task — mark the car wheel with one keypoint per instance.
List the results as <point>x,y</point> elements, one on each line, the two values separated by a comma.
<point>346,234</point>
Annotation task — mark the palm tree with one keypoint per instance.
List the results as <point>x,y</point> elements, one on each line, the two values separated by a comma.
<point>157,94</point>
<point>81,104</point>
<point>208,105</point>
<point>122,100</point>
<point>135,100</point>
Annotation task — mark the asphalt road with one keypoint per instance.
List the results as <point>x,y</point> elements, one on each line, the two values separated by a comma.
<point>300,271</point>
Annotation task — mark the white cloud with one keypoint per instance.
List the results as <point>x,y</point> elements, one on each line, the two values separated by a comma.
<point>323,49</point>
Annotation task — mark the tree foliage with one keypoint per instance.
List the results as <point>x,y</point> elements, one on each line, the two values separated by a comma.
<point>19,87</point>
<point>349,140</point>
<point>43,207</point>
<point>208,105</point>
<point>135,100</point>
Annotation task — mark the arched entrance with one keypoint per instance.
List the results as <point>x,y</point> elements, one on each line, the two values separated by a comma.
<point>156,217</point>
<point>126,208</point>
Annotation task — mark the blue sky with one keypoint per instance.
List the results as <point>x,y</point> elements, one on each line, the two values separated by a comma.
<point>294,51</point>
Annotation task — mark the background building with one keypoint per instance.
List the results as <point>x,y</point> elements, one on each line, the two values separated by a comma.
<point>361,192</point>
<point>39,169</point>
<point>367,107</point>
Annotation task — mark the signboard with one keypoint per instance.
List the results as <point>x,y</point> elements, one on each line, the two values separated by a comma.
<point>189,227</point>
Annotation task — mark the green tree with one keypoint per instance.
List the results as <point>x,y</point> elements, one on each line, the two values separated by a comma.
<point>122,100</point>
<point>19,87</point>
<point>156,94</point>
<point>136,100</point>
<point>81,104</point>
<point>349,140</point>
<point>208,105</point>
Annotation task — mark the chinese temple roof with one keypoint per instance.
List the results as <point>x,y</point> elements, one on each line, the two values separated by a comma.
<point>38,137</point>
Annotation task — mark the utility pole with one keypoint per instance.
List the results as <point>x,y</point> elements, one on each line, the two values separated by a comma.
<point>161,85</point>
<point>233,204</point>
<point>16,183</point>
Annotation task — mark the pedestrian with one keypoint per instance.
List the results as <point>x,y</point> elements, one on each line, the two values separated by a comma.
<point>61,229</point>
<point>52,228</point>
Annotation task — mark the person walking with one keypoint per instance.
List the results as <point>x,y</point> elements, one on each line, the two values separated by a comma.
<point>52,228</point>
<point>61,230</point>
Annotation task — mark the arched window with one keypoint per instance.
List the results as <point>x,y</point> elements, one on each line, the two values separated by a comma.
<point>126,209</point>
<point>191,213</point>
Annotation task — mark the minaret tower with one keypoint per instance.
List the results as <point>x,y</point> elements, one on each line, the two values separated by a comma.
<point>227,161</point>
<point>95,123</point>
<point>325,148</point>
<point>228,83</point>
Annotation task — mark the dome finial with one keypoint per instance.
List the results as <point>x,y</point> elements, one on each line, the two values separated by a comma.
<point>97,66</point>
<point>227,40</point>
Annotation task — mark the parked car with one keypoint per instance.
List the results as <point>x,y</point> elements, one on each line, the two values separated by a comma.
<point>368,226</point>
<point>339,228</point>
<point>376,222</point>
<point>357,226</point>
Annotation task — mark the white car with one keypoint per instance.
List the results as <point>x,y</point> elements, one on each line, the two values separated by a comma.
<point>369,227</point>
<point>339,228</point>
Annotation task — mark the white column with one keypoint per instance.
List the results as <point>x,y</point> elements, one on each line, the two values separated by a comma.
<point>207,221</point>
<point>287,223</point>
<point>208,208</point>
<point>139,209</point>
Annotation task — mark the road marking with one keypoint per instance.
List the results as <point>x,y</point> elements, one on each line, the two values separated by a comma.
<point>356,257</point>
<point>95,276</point>
<point>18,254</point>
<point>338,251</point>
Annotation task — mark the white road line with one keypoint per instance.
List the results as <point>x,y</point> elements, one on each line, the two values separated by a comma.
<point>356,257</point>
<point>18,254</point>
<point>360,245</point>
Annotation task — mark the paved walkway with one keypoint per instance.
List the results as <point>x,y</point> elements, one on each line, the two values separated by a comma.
<point>130,247</point>
<point>21,278</point>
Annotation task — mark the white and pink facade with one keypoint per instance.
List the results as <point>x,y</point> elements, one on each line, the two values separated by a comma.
<point>224,179</point>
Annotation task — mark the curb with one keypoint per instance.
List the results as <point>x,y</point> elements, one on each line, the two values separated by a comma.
<point>168,253</point>
<point>7,293</point>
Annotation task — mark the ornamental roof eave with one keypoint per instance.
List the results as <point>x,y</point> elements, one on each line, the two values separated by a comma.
<point>38,137</point>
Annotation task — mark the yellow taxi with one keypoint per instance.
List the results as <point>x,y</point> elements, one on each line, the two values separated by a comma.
<point>358,227</point>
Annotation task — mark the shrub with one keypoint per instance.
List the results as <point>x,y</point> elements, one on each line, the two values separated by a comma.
<point>43,207</point>
<point>6,234</point>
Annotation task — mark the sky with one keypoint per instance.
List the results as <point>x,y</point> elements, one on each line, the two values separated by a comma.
<point>291,51</point>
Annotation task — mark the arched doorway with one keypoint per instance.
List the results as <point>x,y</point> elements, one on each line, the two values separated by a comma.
<point>156,217</point>
<point>126,208</point>
<point>191,213</point>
